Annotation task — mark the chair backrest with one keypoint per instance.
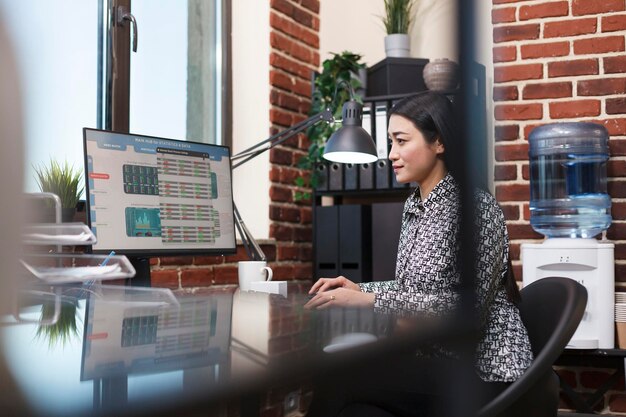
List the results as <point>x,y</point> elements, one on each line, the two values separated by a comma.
<point>551,310</point>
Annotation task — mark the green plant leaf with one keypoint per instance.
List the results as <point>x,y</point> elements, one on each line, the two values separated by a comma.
<point>61,179</point>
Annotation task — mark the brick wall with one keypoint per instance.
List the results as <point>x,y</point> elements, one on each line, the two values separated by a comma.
<point>559,60</point>
<point>294,37</point>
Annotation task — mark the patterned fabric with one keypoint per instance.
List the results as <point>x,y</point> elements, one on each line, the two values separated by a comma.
<point>427,275</point>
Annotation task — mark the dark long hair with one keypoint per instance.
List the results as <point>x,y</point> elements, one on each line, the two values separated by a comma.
<point>434,115</point>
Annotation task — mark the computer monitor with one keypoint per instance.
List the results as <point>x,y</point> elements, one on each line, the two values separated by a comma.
<point>150,196</point>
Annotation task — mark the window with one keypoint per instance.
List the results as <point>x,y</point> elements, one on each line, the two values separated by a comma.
<point>72,59</point>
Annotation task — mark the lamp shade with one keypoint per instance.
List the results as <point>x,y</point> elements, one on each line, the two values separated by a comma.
<point>351,143</point>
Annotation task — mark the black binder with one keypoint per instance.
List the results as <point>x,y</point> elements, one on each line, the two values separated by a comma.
<point>354,242</point>
<point>326,241</point>
<point>351,176</point>
<point>366,176</point>
<point>382,174</point>
<point>335,176</point>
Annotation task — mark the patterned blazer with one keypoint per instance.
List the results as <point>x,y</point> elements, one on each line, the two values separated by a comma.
<point>427,275</point>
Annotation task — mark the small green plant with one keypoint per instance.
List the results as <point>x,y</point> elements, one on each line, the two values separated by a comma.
<point>330,92</point>
<point>398,16</point>
<point>61,179</point>
<point>65,327</point>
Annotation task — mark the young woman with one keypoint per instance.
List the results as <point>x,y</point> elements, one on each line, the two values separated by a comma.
<point>422,134</point>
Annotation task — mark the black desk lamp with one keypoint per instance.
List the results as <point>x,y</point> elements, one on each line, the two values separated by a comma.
<point>350,144</point>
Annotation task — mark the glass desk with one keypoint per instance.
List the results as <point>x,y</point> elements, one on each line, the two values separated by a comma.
<point>120,350</point>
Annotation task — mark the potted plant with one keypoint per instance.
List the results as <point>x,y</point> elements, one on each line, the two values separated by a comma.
<point>328,93</point>
<point>397,20</point>
<point>65,328</point>
<point>63,180</point>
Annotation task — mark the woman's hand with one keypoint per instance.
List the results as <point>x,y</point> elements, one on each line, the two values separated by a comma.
<point>325,284</point>
<point>341,297</point>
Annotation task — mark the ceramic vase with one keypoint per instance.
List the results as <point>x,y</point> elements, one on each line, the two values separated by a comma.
<point>441,75</point>
<point>397,45</point>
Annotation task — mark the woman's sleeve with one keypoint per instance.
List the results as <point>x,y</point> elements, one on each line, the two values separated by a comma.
<point>492,251</point>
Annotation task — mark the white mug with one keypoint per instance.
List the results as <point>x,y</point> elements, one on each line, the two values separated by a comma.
<point>250,271</point>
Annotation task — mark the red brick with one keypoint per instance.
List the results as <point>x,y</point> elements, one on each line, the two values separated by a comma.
<point>505,1</point>
<point>525,172</point>
<point>522,231</point>
<point>290,65</point>
<point>510,212</point>
<point>614,23</point>
<point>281,232</point>
<point>504,53</point>
<point>306,215</point>
<point>293,29</point>
<point>616,105</point>
<point>511,152</point>
<point>513,192</point>
<point>620,248</point>
<point>291,47</point>
<point>176,260</point>
<point>550,9</point>
<point>270,251</point>
<point>289,102</point>
<point>518,111</point>
<point>287,253</point>
<point>167,278</point>
<point>616,127</point>
<point>281,156</point>
<point>617,231</point>
<point>614,64</point>
<point>285,214</point>
<point>616,168</point>
<point>515,33</point>
<point>542,50</point>
<point>226,274</point>
<point>302,234</point>
<point>505,172</point>
<point>518,72</point>
<point>602,87</point>
<point>576,108</point>
<point>618,211</point>
<point>583,7</point>
<point>306,254</point>
<point>506,132</point>
<point>303,271</point>
<point>616,188</point>
<point>283,272</point>
<point>514,250</point>
<point>571,27</point>
<point>503,15</point>
<point>208,260</point>
<point>599,45</point>
<point>280,194</point>
<point>239,255</point>
<point>573,67</point>
<point>312,5</point>
<point>526,211</point>
<point>547,90</point>
<point>505,93</point>
<point>203,277</point>
<point>617,147</point>
<point>620,273</point>
<point>529,128</point>
<point>301,16</point>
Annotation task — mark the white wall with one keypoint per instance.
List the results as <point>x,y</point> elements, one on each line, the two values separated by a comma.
<point>356,26</point>
<point>251,89</point>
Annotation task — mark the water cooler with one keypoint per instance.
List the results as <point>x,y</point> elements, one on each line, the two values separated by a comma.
<point>569,204</point>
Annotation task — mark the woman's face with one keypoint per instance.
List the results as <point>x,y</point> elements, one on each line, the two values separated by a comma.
<point>412,157</point>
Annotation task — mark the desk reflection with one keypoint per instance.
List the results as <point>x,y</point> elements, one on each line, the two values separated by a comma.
<point>145,350</point>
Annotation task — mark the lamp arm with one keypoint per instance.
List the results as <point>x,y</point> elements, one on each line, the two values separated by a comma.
<point>280,137</point>
<point>253,250</point>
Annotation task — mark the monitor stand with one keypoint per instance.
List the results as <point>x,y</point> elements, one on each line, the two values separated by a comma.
<point>142,269</point>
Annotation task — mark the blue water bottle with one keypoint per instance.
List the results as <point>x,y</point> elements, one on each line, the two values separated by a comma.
<point>568,196</point>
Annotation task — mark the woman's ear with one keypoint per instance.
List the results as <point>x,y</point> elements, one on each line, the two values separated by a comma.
<point>439,148</point>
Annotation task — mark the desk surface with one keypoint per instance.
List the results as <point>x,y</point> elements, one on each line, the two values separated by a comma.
<point>148,350</point>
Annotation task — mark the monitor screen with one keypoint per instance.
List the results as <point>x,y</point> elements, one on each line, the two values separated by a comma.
<point>149,196</point>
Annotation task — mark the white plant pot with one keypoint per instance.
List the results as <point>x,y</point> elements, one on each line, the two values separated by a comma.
<point>397,45</point>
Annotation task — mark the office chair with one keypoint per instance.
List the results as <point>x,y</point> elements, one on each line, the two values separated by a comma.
<point>551,310</point>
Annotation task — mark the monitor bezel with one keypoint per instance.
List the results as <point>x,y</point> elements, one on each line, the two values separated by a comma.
<point>148,253</point>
